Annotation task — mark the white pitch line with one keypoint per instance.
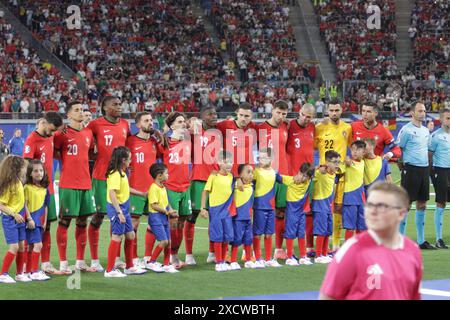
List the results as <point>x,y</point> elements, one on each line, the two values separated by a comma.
<point>432,292</point>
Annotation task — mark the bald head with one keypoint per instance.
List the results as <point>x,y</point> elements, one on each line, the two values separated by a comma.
<point>306,114</point>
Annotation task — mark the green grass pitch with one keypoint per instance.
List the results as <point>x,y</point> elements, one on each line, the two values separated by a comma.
<point>201,281</point>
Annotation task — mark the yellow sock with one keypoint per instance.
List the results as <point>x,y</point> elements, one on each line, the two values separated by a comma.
<point>337,225</point>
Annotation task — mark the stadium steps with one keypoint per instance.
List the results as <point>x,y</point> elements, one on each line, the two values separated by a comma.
<point>309,28</point>
<point>404,55</point>
<point>199,12</point>
<point>32,42</point>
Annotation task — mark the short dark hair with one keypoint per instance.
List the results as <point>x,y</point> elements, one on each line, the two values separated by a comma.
<point>54,118</point>
<point>157,169</point>
<point>335,101</point>
<point>414,104</point>
<point>173,116</point>
<point>245,106</point>
<point>359,144</point>
<point>139,115</point>
<point>308,169</point>
<point>87,110</point>
<point>105,100</point>
<point>372,105</point>
<point>71,104</point>
<point>330,154</point>
<point>281,104</point>
<point>241,168</point>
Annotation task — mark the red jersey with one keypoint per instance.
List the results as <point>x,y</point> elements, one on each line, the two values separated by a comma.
<point>74,147</point>
<point>383,137</point>
<point>143,155</point>
<point>239,142</point>
<point>276,139</point>
<point>300,146</point>
<point>364,269</point>
<point>107,135</point>
<point>40,148</point>
<point>177,158</point>
<point>203,155</point>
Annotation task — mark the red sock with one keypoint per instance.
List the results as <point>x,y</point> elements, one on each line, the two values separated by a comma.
<point>234,253</point>
<point>61,241</point>
<point>25,256</point>
<point>302,247</point>
<point>34,261</point>
<point>319,245</point>
<point>7,261</point>
<point>224,250</point>
<point>135,245</point>
<point>268,247</point>
<point>20,261</point>
<point>257,247</point>
<point>156,253</point>
<point>114,246</point>
<point>309,231</point>
<point>279,232</point>
<point>349,234</point>
<point>28,267</point>
<point>179,239</point>
<point>94,234</point>
<point>211,246</point>
<point>325,246</point>
<point>189,230</point>
<point>359,231</point>
<point>81,239</point>
<point>149,243</point>
<point>46,245</point>
<point>218,251</point>
<point>166,255</point>
<point>118,252</point>
<point>248,252</point>
<point>173,240</point>
<point>129,253</point>
<point>290,247</point>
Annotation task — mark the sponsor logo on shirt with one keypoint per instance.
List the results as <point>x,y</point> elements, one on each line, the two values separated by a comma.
<point>41,148</point>
<point>374,277</point>
<point>106,131</point>
<point>137,148</point>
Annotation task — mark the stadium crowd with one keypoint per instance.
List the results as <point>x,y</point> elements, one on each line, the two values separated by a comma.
<point>357,52</point>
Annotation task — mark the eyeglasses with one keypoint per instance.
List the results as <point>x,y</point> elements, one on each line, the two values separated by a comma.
<point>380,207</point>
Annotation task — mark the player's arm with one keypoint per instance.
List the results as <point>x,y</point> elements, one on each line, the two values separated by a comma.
<point>6,210</point>
<point>30,222</point>
<point>138,193</point>
<point>155,206</point>
<point>431,150</point>
<point>204,210</point>
<point>394,151</point>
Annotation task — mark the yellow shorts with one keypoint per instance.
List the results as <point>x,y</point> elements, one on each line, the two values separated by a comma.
<point>339,192</point>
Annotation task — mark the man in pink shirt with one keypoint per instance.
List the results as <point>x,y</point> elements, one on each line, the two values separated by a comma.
<point>381,263</point>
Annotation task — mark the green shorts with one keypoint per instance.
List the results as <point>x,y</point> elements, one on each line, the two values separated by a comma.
<point>280,195</point>
<point>196,190</point>
<point>51,214</point>
<point>76,203</point>
<point>99,189</point>
<point>180,201</point>
<point>138,205</point>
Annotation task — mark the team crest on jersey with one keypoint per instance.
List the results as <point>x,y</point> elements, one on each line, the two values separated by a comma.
<point>344,133</point>
<point>376,137</point>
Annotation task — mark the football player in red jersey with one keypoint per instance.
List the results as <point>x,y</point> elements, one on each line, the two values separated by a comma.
<point>300,149</point>
<point>76,199</point>
<point>39,146</point>
<point>143,147</point>
<point>110,131</point>
<point>239,136</point>
<point>177,158</point>
<point>273,134</point>
<point>369,127</point>
<point>205,138</point>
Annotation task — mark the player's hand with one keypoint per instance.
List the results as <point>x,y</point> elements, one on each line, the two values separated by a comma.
<point>348,161</point>
<point>144,194</point>
<point>239,185</point>
<point>297,179</point>
<point>325,120</point>
<point>400,165</point>
<point>64,129</point>
<point>322,169</point>
<point>44,226</point>
<point>388,156</point>
<point>121,218</point>
<point>204,213</point>
<point>31,225</point>
<point>18,218</point>
<point>173,213</point>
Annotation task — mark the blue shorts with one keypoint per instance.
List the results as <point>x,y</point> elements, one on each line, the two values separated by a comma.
<point>243,233</point>
<point>322,223</point>
<point>353,217</point>
<point>263,222</point>
<point>220,229</point>
<point>295,225</point>
<point>159,224</point>
<point>35,235</point>
<point>14,232</point>
<point>118,228</point>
